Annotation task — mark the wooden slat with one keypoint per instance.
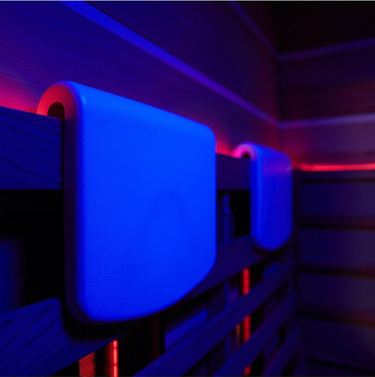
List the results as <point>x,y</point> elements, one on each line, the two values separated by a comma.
<point>337,291</point>
<point>259,339</point>
<point>338,222</point>
<point>335,176</point>
<point>339,339</point>
<point>327,365</point>
<point>62,44</point>
<point>337,266</point>
<point>193,23</point>
<point>333,249</point>
<point>37,340</point>
<point>30,150</point>
<point>185,354</point>
<point>232,173</point>
<point>328,85</point>
<point>332,268</point>
<point>328,143</point>
<point>359,317</point>
<point>231,259</point>
<point>284,354</point>
<point>344,199</point>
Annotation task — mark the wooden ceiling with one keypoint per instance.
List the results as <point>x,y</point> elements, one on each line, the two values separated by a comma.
<point>301,25</point>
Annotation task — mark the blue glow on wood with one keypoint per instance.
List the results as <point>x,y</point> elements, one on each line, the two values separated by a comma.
<point>139,191</point>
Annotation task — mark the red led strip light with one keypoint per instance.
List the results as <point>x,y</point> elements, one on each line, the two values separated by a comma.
<point>367,166</point>
<point>246,325</point>
<point>113,367</point>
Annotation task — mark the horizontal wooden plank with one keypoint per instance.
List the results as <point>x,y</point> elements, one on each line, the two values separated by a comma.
<point>334,176</point>
<point>62,44</point>
<point>324,368</point>
<point>344,222</point>
<point>41,339</point>
<point>343,269</point>
<point>365,318</point>
<point>259,339</point>
<point>186,353</point>
<point>324,143</point>
<point>337,291</point>
<point>351,199</point>
<point>284,354</point>
<point>328,85</point>
<point>333,249</point>
<point>326,365</point>
<point>232,173</point>
<point>353,342</point>
<point>47,321</point>
<point>231,259</point>
<point>197,26</point>
<point>30,150</point>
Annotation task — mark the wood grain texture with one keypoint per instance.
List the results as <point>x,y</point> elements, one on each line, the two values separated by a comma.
<point>30,150</point>
<point>302,26</point>
<point>46,323</point>
<point>348,199</point>
<point>31,155</point>
<point>329,291</point>
<point>191,32</point>
<point>336,269</point>
<point>328,85</point>
<point>186,353</point>
<point>352,342</point>
<point>357,317</point>
<point>284,354</point>
<point>259,339</point>
<point>343,250</point>
<point>61,44</point>
<point>35,340</point>
<point>232,258</point>
<point>327,98</point>
<point>327,143</point>
<point>325,365</point>
<point>334,176</point>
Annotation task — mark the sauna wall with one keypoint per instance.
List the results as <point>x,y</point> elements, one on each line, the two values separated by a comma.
<point>207,61</point>
<point>328,112</point>
<point>327,117</point>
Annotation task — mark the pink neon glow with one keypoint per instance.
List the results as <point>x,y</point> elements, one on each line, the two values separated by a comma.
<point>222,146</point>
<point>366,166</point>
<point>242,149</point>
<point>86,365</point>
<point>15,91</point>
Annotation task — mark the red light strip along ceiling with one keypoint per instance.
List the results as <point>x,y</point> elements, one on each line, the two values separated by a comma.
<point>348,167</point>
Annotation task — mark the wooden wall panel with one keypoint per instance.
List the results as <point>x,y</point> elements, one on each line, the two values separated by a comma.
<point>351,250</point>
<point>336,281</point>
<point>326,104</point>
<point>338,292</point>
<point>43,43</point>
<point>351,199</point>
<point>328,84</point>
<point>342,340</point>
<point>348,141</point>
<point>329,368</point>
<point>209,36</point>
